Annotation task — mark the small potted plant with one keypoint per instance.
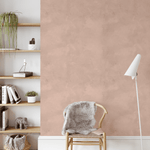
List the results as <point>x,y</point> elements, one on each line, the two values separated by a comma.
<point>31,96</point>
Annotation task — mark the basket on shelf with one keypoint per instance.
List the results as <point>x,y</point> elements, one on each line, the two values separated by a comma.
<point>26,146</point>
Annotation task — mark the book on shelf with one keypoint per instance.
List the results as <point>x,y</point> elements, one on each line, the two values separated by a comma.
<point>4,94</point>
<point>1,117</point>
<point>23,74</point>
<point>5,120</point>
<point>11,99</point>
<point>9,94</point>
<point>15,94</point>
<point>0,94</point>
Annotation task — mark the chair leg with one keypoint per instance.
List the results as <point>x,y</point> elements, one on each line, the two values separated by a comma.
<point>71,146</point>
<point>67,140</point>
<point>104,141</point>
<point>99,143</point>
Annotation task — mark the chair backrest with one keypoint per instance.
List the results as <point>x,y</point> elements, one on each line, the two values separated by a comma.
<point>105,112</point>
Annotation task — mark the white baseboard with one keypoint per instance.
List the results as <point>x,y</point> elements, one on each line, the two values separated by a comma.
<point>113,143</point>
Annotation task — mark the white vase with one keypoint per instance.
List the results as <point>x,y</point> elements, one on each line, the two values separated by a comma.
<point>31,99</point>
<point>31,47</point>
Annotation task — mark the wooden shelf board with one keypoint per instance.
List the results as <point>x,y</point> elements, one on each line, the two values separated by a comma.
<point>28,24</point>
<point>11,77</point>
<point>29,130</point>
<point>20,51</point>
<point>23,103</point>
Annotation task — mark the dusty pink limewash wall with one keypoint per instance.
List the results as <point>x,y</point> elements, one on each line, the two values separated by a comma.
<point>87,45</point>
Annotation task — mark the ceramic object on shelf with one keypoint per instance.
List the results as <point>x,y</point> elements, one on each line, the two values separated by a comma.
<point>31,99</point>
<point>31,47</point>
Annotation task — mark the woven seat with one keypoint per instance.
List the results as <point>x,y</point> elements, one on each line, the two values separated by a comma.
<point>91,135</point>
<point>101,138</point>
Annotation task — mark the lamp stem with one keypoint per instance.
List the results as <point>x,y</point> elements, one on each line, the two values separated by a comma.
<point>138,112</point>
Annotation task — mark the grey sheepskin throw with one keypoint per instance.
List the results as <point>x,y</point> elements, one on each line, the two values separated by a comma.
<point>15,143</point>
<point>79,118</point>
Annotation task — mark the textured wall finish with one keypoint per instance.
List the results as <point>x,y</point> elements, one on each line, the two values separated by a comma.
<point>87,45</point>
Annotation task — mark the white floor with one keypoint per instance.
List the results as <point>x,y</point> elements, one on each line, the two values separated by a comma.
<point>113,143</point>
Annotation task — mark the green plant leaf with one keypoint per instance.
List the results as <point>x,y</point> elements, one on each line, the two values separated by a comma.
<point>8,32</point>
<point>31,93</point>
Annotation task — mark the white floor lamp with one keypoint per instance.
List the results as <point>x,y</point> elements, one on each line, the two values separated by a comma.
<point>132,72</point>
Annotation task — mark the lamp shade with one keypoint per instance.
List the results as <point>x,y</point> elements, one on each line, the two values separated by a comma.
<point>132,70</point>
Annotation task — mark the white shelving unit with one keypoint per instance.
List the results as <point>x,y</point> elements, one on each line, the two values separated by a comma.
<point>31,83</point>
<point>11,61</point>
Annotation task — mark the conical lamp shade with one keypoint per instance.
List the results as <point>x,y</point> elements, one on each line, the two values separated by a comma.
<point>132,70</point>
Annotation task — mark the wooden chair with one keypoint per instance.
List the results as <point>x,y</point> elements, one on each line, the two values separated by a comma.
<point>102,138</point>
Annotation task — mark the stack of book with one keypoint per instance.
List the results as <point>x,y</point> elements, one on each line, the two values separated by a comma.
<point>4,121</point>
<point>22,74</point>
<point>9,94</point>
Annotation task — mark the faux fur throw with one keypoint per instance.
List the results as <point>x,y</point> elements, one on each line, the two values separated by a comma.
<point>79,118</point>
